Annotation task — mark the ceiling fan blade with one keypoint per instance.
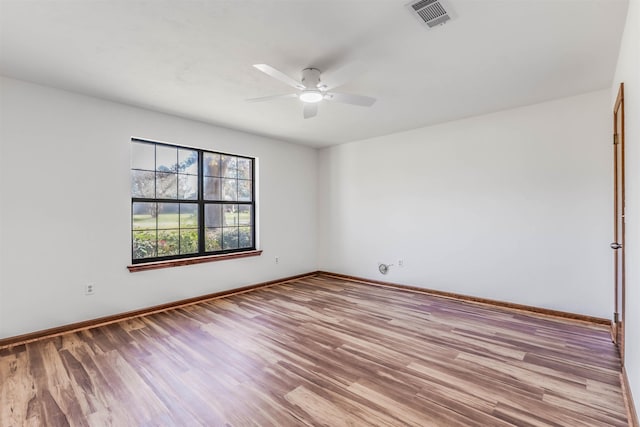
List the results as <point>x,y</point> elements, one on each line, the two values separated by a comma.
<point>279,75</point>
<point>272,97</point>
<point>347,98</point>
<point>310,110</point>
<point>333,79</point>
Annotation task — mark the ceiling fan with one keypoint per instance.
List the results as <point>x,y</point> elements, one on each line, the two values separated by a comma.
<point>311,89</point>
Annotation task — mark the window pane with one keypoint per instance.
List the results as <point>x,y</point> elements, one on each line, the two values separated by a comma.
<point>188,161</point>
<point>244,168</point>
<point>143,184</point>
<point>168,215</point>
<point>187,187</point>
<point>244,215</point>
<point>188,215</point>
<point>230,189</point>
<point>213,215</point>
<point>143,156</point>
<point>211,164</point>
<point>188,241</point>
<point>213,239</point>
<point>230,215</point>
<point>144,244</point>
<point>244,191</point>
<point>245,238</point>
<point>212,189</point>
<point>166,159</point>
<point>230,238</point>
<point>144,216</point>
<point>229,166</point>
<point>166,185</point>
<point>168,241</point>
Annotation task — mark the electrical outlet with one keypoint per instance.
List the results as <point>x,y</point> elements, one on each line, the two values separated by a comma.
<point>277,260</point>
<point>90,289</point>
<point>400,263</point>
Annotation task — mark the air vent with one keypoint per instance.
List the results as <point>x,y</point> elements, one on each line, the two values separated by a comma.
<point>431,12</point>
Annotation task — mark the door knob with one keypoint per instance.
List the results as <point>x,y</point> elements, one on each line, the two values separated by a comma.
<point>615,245</point>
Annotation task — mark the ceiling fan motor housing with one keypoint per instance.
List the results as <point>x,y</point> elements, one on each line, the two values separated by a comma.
<point>311,82</point>
<point>311,78</point>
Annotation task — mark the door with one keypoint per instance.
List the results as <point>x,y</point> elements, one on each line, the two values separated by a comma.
<point>618,222</point>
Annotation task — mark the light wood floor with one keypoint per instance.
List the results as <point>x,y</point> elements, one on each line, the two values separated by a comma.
<point>319,351</point>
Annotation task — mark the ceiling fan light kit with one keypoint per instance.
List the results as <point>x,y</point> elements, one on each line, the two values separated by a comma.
<point>312,89</point>
<point>311,96</point>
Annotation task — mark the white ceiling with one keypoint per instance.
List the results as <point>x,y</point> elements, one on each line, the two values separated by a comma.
<point>193,58</point>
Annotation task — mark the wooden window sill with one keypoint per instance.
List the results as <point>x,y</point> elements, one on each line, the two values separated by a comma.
<point>188,261</point>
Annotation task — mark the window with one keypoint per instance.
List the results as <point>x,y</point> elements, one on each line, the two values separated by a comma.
<point>187,202</point>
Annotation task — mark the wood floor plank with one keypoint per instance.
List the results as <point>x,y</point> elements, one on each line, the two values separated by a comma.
<point>319,351</point>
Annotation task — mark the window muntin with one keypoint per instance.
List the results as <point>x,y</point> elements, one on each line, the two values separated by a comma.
<point>189,202</point>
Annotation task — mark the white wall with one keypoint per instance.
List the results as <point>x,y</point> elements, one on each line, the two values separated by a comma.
<point>65,212</point>
<point>513,206</point>
<point>628,71</point>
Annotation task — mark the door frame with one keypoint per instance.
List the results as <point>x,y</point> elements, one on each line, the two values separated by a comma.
<point>619,222</point>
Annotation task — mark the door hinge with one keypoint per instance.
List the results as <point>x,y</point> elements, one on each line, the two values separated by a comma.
<point>615,139</point>
<point>615,318</point>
